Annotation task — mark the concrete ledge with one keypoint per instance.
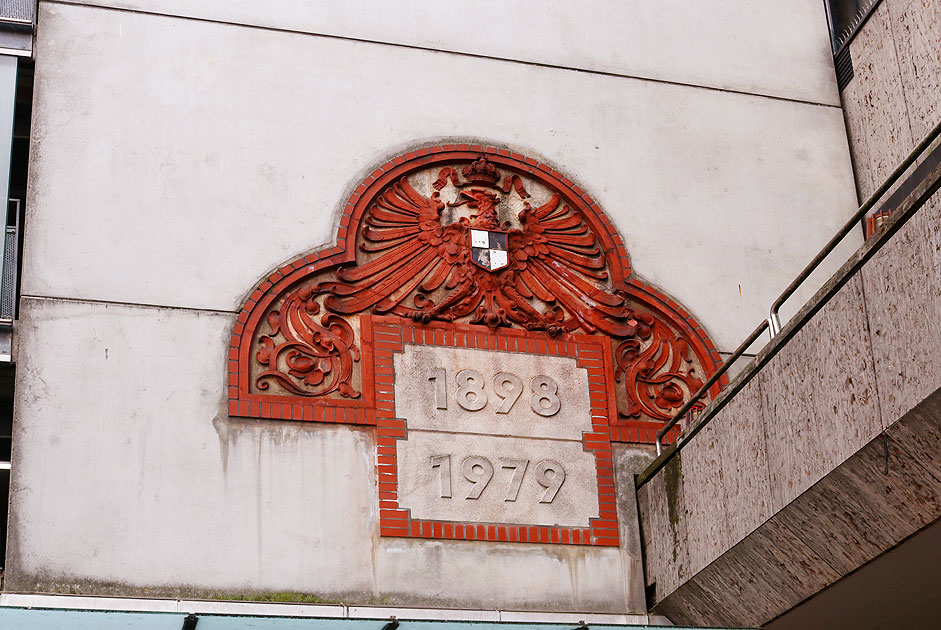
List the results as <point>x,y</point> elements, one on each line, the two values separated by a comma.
<point>822,454</point>
<point>881,495</point>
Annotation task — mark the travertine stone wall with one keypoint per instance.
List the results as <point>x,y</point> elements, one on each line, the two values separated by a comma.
<point>894,98</point>
<point>827,458</point>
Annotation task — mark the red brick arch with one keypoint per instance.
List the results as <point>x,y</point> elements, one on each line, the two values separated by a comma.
<point>244,402</point>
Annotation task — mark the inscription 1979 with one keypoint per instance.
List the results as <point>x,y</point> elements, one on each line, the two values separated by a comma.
<point>479,471</point>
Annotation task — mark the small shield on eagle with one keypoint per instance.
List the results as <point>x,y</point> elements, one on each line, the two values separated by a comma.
<point>488,249</point>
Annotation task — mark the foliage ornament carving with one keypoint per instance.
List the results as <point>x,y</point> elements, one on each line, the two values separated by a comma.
<point>461,234</point>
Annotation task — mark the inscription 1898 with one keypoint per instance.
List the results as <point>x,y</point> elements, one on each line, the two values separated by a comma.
<point>472,396</point>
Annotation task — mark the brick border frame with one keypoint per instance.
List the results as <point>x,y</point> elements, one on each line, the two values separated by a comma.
<point>390,334</point>
<point>243,403</point>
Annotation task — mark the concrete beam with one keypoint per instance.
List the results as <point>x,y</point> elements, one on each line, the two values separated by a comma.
<point>877,498</point>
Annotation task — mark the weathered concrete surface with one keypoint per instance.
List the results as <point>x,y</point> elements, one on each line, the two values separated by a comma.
<point>629,460</point>
<point>213,169</point>
<point>485,575</point>
<point>662,507</point>
<point>130,479</point>
<point>770,48</point>
<point>874,104</point>
<point>129,475</point>
<point>821,391</point>
<point>745,469</point>
<point>707,531</point>
<point>828,457</point>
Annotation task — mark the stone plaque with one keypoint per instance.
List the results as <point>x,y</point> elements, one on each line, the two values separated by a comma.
<point>493,436</point>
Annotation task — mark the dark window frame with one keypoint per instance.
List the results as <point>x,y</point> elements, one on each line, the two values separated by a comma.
<point>844,29</point>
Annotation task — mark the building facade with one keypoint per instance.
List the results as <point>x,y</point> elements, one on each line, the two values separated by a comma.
<point>354,305</point>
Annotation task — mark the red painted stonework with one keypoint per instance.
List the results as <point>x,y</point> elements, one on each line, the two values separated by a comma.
<point>302,350</point>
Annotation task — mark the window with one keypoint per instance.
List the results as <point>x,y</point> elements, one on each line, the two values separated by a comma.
<point>845,18</point>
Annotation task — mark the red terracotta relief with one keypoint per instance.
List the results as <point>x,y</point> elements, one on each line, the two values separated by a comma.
<point>470,235</point>
<point>317,353</point>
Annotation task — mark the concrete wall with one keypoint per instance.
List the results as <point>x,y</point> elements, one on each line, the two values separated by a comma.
<point>177,159</point>
<point>661,40</point>
<point>131,479</point>
<point>720,196</point>
<point>824,460</point>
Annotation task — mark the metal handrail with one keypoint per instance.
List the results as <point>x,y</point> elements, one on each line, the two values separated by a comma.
<point>856,218</point>
<point>685,409</point>
<point>773,322</point>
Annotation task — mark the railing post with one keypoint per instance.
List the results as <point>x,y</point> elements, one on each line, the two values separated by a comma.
<point>774,323</point>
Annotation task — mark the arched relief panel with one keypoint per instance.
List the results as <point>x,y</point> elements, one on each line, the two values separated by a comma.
<point>479,294</point>
<point>293,357</point>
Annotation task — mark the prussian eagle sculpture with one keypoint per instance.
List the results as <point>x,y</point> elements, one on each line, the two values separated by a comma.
<point>472,256</point>
<point>549,262</point>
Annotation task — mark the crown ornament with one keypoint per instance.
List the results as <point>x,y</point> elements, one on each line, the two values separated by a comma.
<point>481,172</point>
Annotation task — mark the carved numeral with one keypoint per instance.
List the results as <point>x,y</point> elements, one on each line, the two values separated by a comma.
<point>440,378</point>
<point>551,482</point>
<point>470,390</point>
<point>519,469</point>
<point>479,471</point>
<point>443,464</point>
<point>508,387</point>
<point>544,400</point>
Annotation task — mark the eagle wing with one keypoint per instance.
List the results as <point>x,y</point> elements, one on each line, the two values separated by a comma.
<point>410,248</point>
<point>558,260</point>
